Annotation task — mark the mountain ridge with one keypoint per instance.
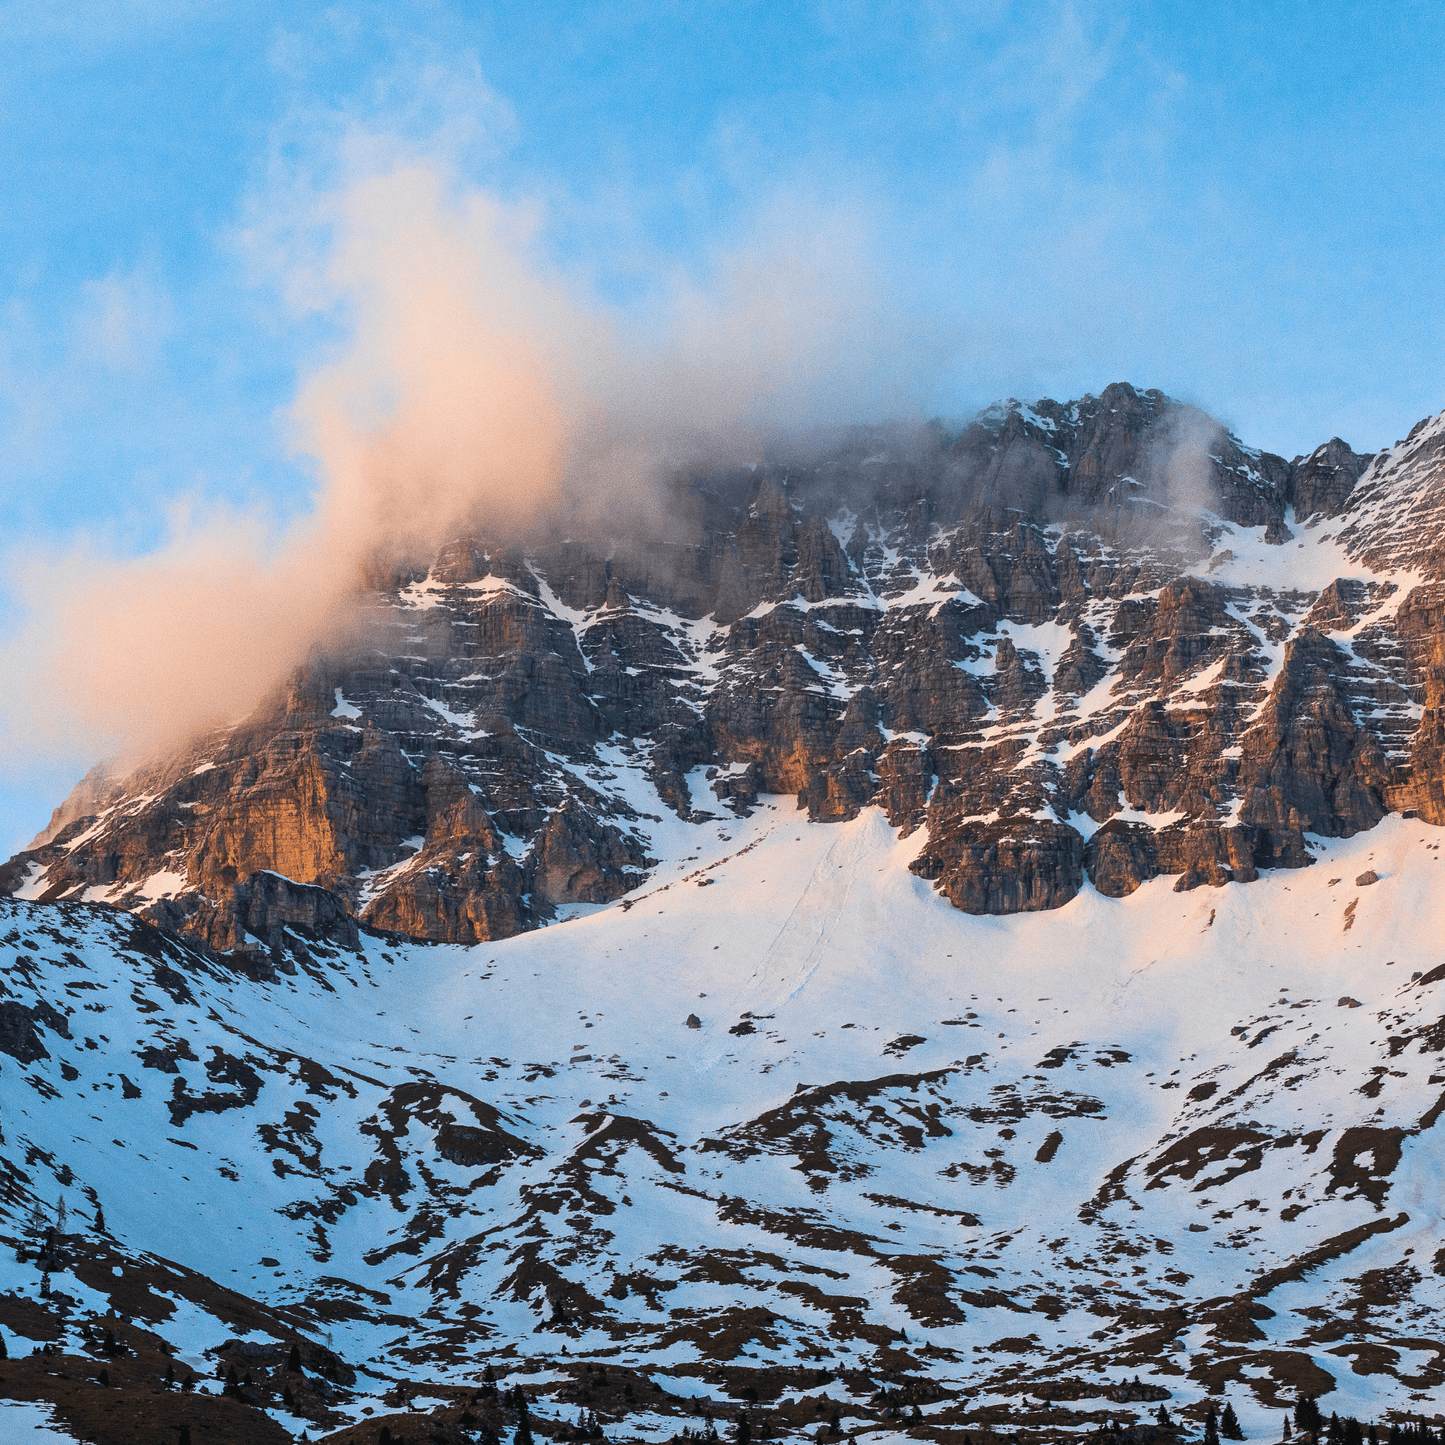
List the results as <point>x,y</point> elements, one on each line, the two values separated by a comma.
<point>1031,638</point>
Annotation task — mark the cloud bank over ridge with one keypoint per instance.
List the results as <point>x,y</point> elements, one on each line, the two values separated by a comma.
<point>475,383</point>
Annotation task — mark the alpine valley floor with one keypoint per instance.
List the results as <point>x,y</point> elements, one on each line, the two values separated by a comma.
<point>900,1154</point>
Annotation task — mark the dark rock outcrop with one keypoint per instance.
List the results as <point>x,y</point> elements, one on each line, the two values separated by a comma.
<point>1008,866</point>
<point>1322,482</point>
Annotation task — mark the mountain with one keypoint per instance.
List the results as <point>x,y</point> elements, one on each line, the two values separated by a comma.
<point>1102,639</point>
<point>1089,703</point>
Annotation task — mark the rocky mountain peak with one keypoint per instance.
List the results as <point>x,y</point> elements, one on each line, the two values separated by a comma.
<point>1078,644</point>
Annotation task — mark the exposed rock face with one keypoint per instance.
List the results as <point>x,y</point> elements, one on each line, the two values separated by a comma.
<point>1307,765</point>
<point>1322,482</point>
<point>1100,639</point>
<point>1016,866</point>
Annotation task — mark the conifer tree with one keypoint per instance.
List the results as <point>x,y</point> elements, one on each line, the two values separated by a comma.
<point>4,1353</point>
<point>293,1360</point>
<point>99,1218</point>
<point>1211,1428</point>
<point>1229,1424</point>
<point>1307,1415</point>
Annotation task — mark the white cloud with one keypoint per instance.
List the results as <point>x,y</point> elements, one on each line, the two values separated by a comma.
<point>122,321</point>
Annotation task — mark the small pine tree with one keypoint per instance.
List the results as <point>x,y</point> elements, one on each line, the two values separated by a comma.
<point>1229,1423</point>
<point>1353,1435</point>
<point>45,1285</point>
<point>1307,1415</point>
<point>287,1398</point>
<point>60,1214</point>
<point>4,1353</point>
<point>293,1360</point>
<point>1211,1428</point>
<point>523,1434</point>
<point>1285,1436</point>
<point>745,1430</point>
<point>1165,1423</point>
<point>1336,1431</point>
<point>99,1218</point>
<point>105,1378</point>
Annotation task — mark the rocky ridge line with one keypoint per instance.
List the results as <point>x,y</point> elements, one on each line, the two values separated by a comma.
<point>1100,639</point>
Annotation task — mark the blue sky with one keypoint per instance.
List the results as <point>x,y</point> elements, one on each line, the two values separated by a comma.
<point>1242,204</point>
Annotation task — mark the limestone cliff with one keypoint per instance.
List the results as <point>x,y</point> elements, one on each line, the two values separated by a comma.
<point>1098,641</point>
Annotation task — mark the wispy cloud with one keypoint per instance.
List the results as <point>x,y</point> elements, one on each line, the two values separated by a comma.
<point>472,383</point>
<point>122,323</point>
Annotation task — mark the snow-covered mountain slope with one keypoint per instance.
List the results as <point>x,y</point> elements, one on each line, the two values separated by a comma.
<point>780,1110</point>
<point>1101,639</point>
